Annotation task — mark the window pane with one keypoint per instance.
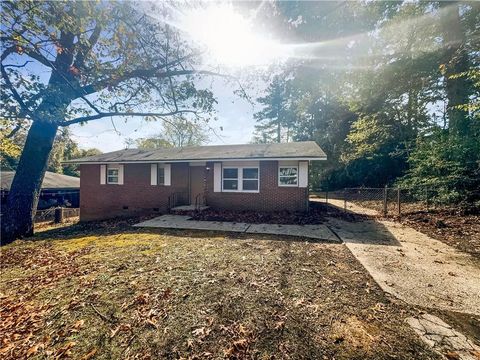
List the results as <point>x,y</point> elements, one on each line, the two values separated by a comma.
<point>288,171</point>
<point>161,176</point>
<point>230,173</point>
<point>250,173</point>
<point>230,184</point>
<point>288,180</point>
<point>112,176</point>
<point>250,184</point>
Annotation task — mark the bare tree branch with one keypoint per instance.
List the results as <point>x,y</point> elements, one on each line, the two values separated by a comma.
<point>32,53</point>
<point>18,66</point>
<point>102,115</point>
<point>14,92</point>
<point>142,73</point>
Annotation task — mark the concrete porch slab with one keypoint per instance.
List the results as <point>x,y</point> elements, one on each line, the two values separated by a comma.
<point>320,232</point>
<point>189,208</point>
<point>164,221</point>
<point>184,222</point>
<point>214,225</point>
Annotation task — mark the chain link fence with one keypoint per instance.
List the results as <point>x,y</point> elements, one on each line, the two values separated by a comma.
<point>383,201</point>
<point>56,215</point>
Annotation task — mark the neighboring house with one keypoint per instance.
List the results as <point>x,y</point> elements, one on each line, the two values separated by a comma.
<point>57,189</point>
<point>263,177</point>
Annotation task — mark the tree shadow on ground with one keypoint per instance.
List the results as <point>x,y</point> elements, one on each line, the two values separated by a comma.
<point>356,228</point>
<point>125,226</point>
<point>348,226</point>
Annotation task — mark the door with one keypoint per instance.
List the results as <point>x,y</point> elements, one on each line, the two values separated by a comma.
<point>197,184</point>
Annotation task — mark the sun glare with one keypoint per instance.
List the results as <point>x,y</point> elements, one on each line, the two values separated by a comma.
<point>229,38</point>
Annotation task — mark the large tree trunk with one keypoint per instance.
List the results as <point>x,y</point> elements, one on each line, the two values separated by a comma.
<point>22,201</point>
<point>456,62</point>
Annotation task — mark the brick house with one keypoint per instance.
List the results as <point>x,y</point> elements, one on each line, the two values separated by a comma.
<point>263,177</point>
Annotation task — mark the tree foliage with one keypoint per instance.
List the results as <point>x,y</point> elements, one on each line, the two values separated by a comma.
<point>388,89</point>
<point>64,148</point>
<point>177,132</point>
<point>70,62</point>
<point>275,119</point>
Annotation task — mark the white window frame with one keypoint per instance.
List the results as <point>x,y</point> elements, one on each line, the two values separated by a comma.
<point>155,174</point>
<point>160,166</point>
<point>240,178</point>
<point>287,166</point>
<point>109,167</point>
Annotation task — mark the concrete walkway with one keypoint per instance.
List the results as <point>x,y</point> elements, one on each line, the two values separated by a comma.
<point>412,266</point>
<point>318,232</point>
<point>443,338</point>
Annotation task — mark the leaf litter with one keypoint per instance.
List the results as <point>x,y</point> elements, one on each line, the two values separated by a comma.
<point>112,292</point>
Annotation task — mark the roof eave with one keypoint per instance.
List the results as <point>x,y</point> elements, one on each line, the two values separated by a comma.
<point>96,162</point>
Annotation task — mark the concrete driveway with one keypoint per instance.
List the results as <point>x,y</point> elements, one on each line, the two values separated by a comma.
<point>412,266</point>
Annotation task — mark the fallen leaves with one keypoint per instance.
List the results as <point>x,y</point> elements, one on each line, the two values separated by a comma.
<point>78,324</point>
<point>90,354</point>
<point>19,320</point>
<point>449,226</point>
<point>33,350</point>
<point>66,349</point>
<point>240,347</point>
<point>190,297</point>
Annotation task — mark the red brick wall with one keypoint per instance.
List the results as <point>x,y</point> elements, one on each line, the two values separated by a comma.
<point>270,198</point>
<point>108,201</point>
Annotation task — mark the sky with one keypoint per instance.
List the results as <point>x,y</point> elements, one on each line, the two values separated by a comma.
<point>237,47</point>
<point>235,116</point>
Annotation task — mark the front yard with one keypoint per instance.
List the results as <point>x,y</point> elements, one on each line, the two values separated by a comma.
<point>107,291</point>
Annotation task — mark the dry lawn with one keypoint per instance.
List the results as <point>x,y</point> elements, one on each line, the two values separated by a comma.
<point>107,291</point>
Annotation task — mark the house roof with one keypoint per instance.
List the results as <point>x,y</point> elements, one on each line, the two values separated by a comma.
<point>306,150</point>
<point>50,181</point>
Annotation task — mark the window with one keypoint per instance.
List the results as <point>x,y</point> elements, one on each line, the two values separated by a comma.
<point>112,175</point>
<point>250,179</point>
<point>288,176</point>
<point>230,179</point>
<point>240,179</point>
<point>161,175</point>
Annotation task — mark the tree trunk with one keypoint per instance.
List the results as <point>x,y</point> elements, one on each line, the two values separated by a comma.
<point>456,62</point>
<point>22,200</point>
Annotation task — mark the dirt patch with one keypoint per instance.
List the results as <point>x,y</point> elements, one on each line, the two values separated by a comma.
<point>453,228</point>
<point>115,292</point>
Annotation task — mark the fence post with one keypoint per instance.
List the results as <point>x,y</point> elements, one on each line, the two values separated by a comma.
<point>345,200</point>
<point>398,202</point>
<point>385,201</point>
<point>326,196</point>
<point>58,215</point>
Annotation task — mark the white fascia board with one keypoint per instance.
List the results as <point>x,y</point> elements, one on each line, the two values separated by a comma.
<point>199,160</point>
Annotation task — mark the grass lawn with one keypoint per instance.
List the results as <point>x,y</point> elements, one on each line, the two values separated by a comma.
<point>107,291</point>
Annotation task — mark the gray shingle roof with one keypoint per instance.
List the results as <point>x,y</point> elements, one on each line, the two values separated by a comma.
<point>50,181</point>
<point>308,150</point>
